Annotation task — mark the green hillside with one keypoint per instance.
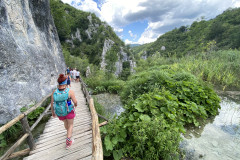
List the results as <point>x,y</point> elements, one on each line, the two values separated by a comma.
<point>82,35</point>
<point>222,32</point>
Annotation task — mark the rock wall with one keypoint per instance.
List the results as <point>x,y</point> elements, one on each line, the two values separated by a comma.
<point>30,55</point>
<point>107,45</point>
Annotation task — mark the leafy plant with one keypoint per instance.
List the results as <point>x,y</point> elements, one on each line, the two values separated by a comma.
<point>158,103</point>
<point>141,138</point>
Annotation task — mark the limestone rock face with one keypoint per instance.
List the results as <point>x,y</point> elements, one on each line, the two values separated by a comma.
<point>119,63</point>
<point>30,55</point>
<point>92,28</point>
<point>107,45</point>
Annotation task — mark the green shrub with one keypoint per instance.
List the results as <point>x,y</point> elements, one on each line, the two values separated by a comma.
<point>140,138</point>
<point>184,86</point>
<point>99,83</point>
<point>158,103</point>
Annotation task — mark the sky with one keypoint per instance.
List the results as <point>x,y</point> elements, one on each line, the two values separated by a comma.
<point>143,21</point>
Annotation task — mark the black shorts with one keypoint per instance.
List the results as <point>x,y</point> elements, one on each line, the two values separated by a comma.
<point>77,76</point>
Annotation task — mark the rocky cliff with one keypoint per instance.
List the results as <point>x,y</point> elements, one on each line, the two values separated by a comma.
<point>30,55</point>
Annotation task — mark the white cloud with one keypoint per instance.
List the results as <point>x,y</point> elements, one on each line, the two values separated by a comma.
<point>183,13</point>
<point>134,36</point>
<point>119,30</point>
<point>127,41</point>
<point>162,15</point>
<point>67,1</point>
<point>236,3</point>
<point>148,36</point>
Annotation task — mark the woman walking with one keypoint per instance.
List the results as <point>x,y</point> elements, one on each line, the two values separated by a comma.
<point>62,107</point>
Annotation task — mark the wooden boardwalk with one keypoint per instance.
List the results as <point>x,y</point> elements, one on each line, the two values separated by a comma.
<point>51,144</point>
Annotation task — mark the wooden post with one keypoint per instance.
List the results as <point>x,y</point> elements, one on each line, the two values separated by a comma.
<point>97,142</point>
<point>26,129</point>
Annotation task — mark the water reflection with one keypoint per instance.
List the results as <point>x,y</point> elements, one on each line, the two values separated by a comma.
<point>111,102</point>
<point>217,138</point>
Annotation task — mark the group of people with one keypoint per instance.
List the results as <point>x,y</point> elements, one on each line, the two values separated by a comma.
<point>73,75</point>
<point>64,102</point>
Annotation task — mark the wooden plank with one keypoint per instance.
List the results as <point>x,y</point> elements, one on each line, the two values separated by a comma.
<point>62,139</point>
<point>97,142</point>
<point>57,144</point>
<point>56,129</point>
<point>45,139</point>
<point>60,132</point>
<point>86,158</point>
<point>77,155</point>
<point>62,147</point>
<point>11,123</point>
<point>65,154</point>
<point>19,153</point>
<point>76,122</point>
<point>11,150</point>
<point>78,117</point>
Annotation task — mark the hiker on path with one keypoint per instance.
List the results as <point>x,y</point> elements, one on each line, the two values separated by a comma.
<point>68,80</point>
<point>68,70</point>
<point>74,74</point>
<point>71,73</point>
<point>62,106</point>
<point>77,75</point>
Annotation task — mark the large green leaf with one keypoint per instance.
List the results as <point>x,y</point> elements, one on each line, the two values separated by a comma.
<point>145,118</point>
<point>117,154</point>
<point>108,143</point>
<point>138,107</point>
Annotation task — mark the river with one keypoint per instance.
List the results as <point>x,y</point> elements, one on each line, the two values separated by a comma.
<point>217,138</point>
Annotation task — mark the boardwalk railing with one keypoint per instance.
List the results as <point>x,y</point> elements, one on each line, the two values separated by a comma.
<point>26,129</point>
<point>97,152</point>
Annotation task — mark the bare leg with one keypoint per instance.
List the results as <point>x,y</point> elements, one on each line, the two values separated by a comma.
<point>70,127</point>
<point>65,124</point>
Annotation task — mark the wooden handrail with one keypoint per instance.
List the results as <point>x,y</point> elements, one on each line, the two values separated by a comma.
<point>11,123</point>
<point>97,152</point>
<point>9,152</point>
<point>22,115</point>
<point>26,129</point>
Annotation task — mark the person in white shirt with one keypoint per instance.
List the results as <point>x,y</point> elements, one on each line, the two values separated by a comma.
<point>77,75</point>
<point>74,74</point>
